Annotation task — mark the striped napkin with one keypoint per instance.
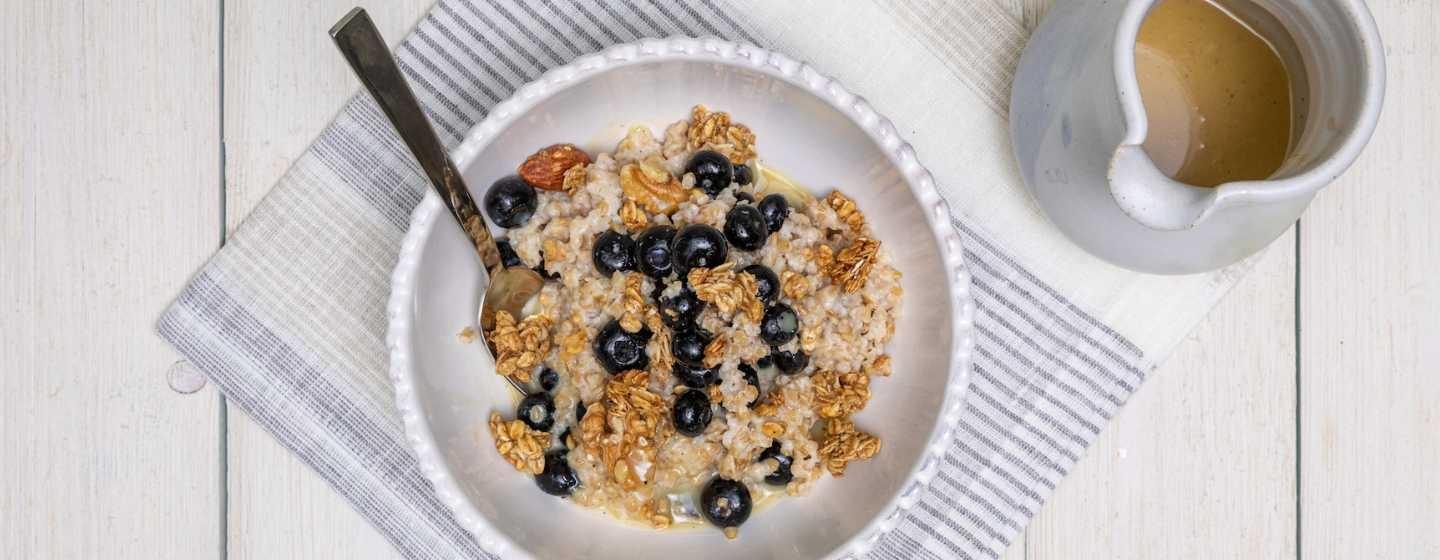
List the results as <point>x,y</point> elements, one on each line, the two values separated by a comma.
<point>1063,339</point>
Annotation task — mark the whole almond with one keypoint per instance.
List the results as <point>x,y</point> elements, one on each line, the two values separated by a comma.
<point>546,168</point>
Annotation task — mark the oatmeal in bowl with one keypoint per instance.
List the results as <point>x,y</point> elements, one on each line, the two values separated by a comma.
<point>706,334</point>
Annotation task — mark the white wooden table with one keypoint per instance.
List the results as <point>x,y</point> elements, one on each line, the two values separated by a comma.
<point>1302,416</point>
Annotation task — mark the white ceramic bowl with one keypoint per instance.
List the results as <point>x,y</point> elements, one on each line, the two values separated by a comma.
<point>816,132</point>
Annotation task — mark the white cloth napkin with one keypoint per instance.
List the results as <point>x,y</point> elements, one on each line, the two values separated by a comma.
<point>288,319</point>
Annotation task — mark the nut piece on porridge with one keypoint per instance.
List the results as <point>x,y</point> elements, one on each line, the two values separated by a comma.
<point>546,168</point>
<point>843,444</point>
<point>521,446</point>
<point>651,187</point>
<point>685,364</point>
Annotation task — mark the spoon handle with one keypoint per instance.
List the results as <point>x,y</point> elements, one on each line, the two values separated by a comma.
<point>363,47</point>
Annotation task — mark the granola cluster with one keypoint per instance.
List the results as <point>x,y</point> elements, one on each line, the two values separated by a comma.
<point>715,131</point>
<point>846,210</point>
<point>838,395</point>
<point>851,267</point>
<point>519,348</point>
<point>728,289</point>
<point>844,444</point>
<point>634,423</point>
<point>521,446</point>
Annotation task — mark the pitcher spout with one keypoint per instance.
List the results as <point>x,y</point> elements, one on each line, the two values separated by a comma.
<point>1152,198</point>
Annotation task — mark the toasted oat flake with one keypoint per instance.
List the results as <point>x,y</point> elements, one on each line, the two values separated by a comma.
<point>715,352</point>
<point>843,444</point>
<point>574,179</point>
<point>661,358</point>
<point>879,366</point>
<point>795,286</point>
<point>633,216</point>
<point>635,304</point>
<point>772,429</point>
<point>467,335</point>
<point>554,251</point>
<point>521,446</point>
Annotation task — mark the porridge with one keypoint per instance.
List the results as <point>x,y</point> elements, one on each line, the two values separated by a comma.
<point>706,332</point>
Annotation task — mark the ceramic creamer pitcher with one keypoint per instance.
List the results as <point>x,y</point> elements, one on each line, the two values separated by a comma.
<point>1079,126</point>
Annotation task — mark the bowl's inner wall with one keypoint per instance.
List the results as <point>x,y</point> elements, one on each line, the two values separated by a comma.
<point>799,134</point>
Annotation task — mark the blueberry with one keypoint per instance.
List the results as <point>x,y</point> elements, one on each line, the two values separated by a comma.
<point>713,171</point>
<point>652,252</point>
<point>549,379</point>
<point>510,202</point>
<point>507,253</point>
<point>779,325</point>
<point>753,378</point>
<point>782,475</point>
<point>691,413</point>
<point>537,411</point>
<point>764,362</point>
<point>725,502</point>
<point>695,377</point>
<point>743,175</point>
<point>619,351</point>
<point>698,246</point>
<point>767,284</point>
<point>613,251</point>
<point>681,309</point>
<point>790,362</point>
<point>745,228</point>
<point>558,479</point>
<point>775,209</point>
<point>688,346</point>
<point>743,196</point>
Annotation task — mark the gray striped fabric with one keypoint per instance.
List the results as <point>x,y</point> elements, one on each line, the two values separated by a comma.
<point>309,363</point>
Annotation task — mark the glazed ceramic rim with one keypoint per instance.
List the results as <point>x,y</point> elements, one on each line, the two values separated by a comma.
<point>1233,193</point>
<point>712,51</point>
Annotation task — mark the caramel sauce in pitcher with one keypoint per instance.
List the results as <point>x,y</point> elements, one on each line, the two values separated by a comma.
<point>1217,94</point>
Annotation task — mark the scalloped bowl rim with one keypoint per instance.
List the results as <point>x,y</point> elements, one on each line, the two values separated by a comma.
<point>709,50</point>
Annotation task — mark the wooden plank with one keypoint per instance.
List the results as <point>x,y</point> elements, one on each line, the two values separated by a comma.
<point>109,199</point>
<point>1370,302</point>
<point>284,82</point>
<point>1201,462</point>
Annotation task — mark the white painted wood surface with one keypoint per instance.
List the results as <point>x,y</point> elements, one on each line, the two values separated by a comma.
<point>1370,308</point>
<point>1228,450</point>
<point>109,199</point>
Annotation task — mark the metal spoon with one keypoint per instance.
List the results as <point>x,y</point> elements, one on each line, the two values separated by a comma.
<point>509,287</point>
